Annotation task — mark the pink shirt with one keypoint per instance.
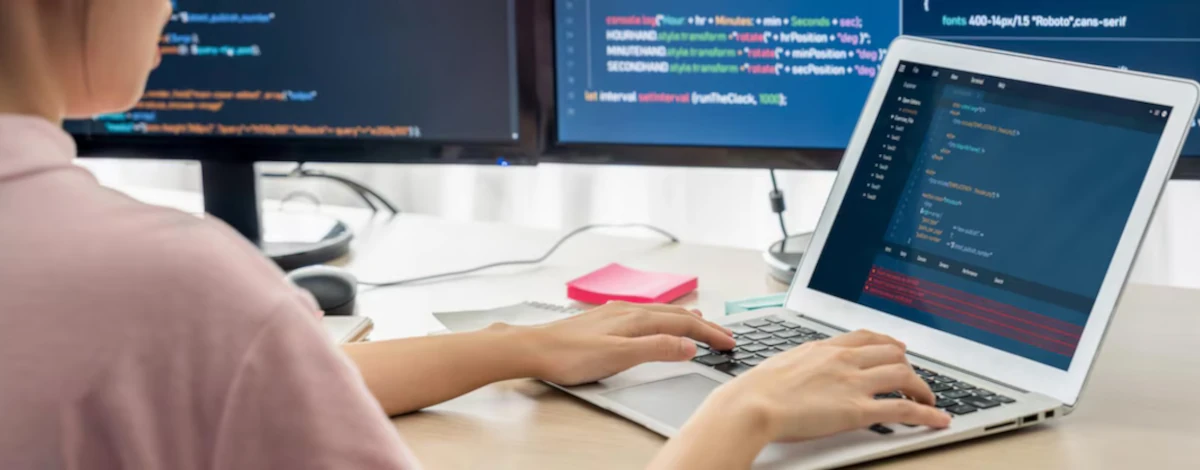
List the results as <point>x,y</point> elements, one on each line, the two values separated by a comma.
<point>138,337</point>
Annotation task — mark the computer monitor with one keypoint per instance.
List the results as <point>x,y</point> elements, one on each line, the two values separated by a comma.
<point>774,83</point>
<point>412,81</point>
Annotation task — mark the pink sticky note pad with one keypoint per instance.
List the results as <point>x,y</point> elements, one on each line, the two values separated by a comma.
<point>616,282</point>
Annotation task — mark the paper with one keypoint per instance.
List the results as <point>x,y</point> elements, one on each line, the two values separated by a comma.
<point>524,314</point>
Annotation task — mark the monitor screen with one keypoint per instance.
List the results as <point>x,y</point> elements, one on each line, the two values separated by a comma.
<point>990,208</point>
<point>426,70</point>
<point>787,74</point>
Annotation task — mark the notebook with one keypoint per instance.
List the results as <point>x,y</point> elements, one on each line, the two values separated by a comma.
<point>524,313</point>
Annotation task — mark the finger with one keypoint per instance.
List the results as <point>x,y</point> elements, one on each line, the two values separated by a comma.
<point>893,377</point>
<point>667,308</point>
<point>676,310</point>
<point>652,323</point>
<point>903,411</point>
<point>876,355</point>
<point>863,338</point>
<point>656,348</point>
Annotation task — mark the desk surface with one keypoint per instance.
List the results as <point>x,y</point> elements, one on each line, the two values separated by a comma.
<point>1139,410</point>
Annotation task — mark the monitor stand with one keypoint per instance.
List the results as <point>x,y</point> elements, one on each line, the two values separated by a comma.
<point>783,257</point>
<point>231,194</point>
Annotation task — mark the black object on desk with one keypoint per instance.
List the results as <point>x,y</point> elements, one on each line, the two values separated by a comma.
<point>334,288</point>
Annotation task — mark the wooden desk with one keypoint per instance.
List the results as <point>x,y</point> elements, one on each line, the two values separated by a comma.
<point>1139,411</point>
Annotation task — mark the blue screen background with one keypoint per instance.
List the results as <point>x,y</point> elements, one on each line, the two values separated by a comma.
<point>1041,181</point>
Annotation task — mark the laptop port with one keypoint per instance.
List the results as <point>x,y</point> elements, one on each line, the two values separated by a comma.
<point>1029,419</point>
<point>1049,414</point>
<point>999,426</point>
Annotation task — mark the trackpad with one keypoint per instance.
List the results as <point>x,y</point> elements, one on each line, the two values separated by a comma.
<point>671,401</point>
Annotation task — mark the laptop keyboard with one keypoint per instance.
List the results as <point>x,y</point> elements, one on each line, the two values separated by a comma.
<point>758,340</point>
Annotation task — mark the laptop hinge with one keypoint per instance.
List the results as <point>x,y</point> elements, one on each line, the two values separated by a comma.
<point>926,358</point>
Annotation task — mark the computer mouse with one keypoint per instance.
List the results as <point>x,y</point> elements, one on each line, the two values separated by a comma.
<point>334,288</point>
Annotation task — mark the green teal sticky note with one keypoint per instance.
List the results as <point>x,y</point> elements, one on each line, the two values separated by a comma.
<point>754,303</point>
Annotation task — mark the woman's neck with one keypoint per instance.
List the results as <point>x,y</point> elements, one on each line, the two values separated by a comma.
<point>28,84</point>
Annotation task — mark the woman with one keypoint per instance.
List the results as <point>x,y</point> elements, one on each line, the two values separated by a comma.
<point>138,337</point>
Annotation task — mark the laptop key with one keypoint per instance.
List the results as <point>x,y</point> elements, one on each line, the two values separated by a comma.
<point>776,320</point>
<point>965,386</point>
<point>743,330</point>
<point>713,359</point>
<point>754,361</point>
<point>1003,399</point>
<point>742,356</point>
<point>752,348</point>
<point>939,388</point>
<point>954,394</point>
<point>769,353</point>
<point>772,329</point>
<point>962,409</point>
<point>757,336</point>
<point>788,334</point>
<point>979,402</point>
<point>757,323</point>
<point>773,341</point>
<point>946,403</point>
<point>881,429</point>
<point>733,368</point>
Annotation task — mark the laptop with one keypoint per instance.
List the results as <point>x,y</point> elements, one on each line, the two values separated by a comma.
<point>987,213</point>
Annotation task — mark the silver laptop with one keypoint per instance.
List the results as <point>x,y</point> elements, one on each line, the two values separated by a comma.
<point>987,212</point>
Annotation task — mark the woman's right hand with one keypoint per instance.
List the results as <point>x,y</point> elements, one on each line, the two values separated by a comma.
<point>827,387</point>
<point>815,390</point>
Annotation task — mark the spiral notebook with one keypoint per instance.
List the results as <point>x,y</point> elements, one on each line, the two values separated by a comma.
<point>524,313</point>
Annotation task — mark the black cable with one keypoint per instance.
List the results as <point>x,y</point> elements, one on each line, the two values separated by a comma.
<point>354,187</point>
<point>778,206</point>
<point>363,192</point>
<point>354,184</point>
<point>538,260</point>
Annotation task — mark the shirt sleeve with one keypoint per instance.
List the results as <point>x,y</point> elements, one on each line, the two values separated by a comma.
<point>297,402</point>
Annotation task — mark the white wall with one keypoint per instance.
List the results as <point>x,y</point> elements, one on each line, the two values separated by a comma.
<point>700,205</point>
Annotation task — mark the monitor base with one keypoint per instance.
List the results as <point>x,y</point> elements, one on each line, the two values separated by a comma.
<point>292,249</point>
<point>782,263</point>
<point>292,240</point>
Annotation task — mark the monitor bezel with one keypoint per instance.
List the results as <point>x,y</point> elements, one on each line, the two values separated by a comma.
<point>531,122</point>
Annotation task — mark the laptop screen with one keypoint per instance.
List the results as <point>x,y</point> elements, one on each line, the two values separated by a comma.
<point>990,208</point>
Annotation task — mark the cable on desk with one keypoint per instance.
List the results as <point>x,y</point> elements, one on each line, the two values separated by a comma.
<point>362,191</point>
<point>534,261</point>
<point>778,206</point>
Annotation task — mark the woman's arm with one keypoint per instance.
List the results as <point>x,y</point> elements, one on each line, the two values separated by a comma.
<point>410,374</point>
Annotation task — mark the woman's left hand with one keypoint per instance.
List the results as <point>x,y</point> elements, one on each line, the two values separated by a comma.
<point>612,338</point>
